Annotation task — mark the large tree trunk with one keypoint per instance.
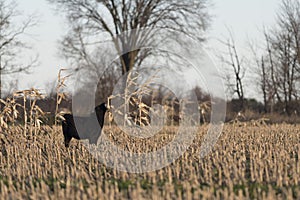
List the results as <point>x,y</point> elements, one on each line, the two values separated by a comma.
<point>128,60</point>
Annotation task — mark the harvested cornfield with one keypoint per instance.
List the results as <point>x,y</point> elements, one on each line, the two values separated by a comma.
<point>248,162</point>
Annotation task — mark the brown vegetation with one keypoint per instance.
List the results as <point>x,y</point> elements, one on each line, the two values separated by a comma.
<point>248,162</point>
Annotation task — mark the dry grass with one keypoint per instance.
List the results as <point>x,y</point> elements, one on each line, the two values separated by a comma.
<point>249,162</point>
<point>60,95</point>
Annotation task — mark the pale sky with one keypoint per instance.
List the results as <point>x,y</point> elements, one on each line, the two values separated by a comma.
<point>244,17</point>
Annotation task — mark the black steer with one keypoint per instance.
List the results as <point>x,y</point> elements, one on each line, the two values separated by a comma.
<point>88,127</point>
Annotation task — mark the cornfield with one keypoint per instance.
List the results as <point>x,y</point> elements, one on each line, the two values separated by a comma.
<point>249,161</point>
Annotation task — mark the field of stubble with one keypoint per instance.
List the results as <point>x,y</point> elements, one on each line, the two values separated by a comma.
<point>248,162</point>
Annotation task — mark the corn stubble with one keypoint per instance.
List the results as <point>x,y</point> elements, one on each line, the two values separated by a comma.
<point>248,162</point>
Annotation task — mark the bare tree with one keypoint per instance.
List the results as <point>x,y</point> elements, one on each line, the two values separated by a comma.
<point>89,18</point>
<point>265,73</point>
<point>282,50</point>
<point>10,42</point>
<point>263,81</point>
<point>232,59</point>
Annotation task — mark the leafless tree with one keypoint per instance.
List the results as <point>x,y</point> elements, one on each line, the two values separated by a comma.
<point>89,18</point>
<point>234,61</point>
<point>11,43</point>
<point>282,51</point>
<point>265,74</point>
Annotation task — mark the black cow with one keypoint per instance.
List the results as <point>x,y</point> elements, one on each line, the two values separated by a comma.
<point>88,127</point>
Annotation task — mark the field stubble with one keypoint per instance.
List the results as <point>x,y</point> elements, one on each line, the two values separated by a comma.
<point>248,162</point>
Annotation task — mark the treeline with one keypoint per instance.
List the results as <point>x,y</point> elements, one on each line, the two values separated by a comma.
<point>252,109</point>
<point>276,64</point>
